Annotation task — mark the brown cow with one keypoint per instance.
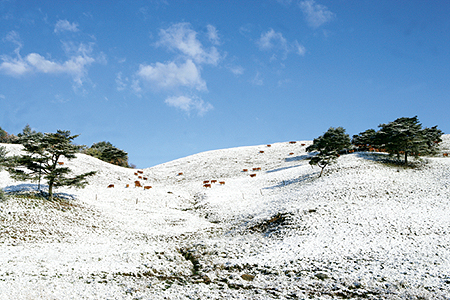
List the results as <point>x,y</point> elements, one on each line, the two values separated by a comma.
<point>293,142</point>
<point>127,185</point>
<point>140,172</point>
<point>111,186</point>
<point>303,144</point>
<point>181,173</point>
<point>445,154</point>
<point>145,178</point>
<point>252,175</point>
<point>261,151</point>
<point>60,162</point>
<point>206,181</point>
<point>207,185</point>
<point>213,181</point>
<point>222,182</point>
<point>137,183</point>
<point>135,173</point>
<point>140,177</point>
<point>269,145</point>
<point>147,187</point>
<point>256,169</point>
<point>245,170</point>
<point>292,153</point>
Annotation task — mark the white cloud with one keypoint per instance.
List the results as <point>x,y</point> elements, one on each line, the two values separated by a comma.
<point>181,37</point>
<point>64,25</point>
<point>257,80</point>
<point>315,14</point>
<point>171,75</point>
<point>236,70</point>
<point>272,40</point>
<point>121,83</point>
<point>188,104</point>
<point>213,35</point>
<point>300,49</point>
<point>75,66</point>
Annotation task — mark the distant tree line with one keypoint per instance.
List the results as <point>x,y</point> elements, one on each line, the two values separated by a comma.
<point>403,137</point>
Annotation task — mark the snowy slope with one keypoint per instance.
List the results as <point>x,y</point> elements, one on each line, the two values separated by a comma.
<point>363,230</point>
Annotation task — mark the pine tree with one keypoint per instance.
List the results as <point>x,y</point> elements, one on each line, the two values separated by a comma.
<point>43,153</point>
<point>328,145</point>
<point>406,136</point>
<point>107,152</point>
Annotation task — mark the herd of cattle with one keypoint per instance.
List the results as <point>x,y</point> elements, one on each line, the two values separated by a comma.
<point>206,183</point>
<point>209,183</point>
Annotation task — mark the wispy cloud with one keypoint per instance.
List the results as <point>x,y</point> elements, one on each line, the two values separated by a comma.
<point>64,25</point>
<point>272,40</point>
<point>75,66</point>
<point>213,34</point>
<point>183,38</point>
<point>315,14</point>
<point>171,75</point>
<point>257,80</point>
<point>188,104</point>
<point>236,70</point>
<point>121,83</point>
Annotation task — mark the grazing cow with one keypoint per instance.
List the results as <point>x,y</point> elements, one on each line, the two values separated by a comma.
<point>213,181</point>
<point>292,142</point>
<point>145,178</point>
<point>292,153</point>
<point>140,172</point>
<point>269,145</point>
<point>261,151</point>
<point>256,169</point>
<point>207,185</point>
<point>303,144</point>
<point>127,185</point>
<point>60,163</point>
<point>222,182</point>
<point>135,173</point>
<point>147,187</point>
<point>137,183</point>
<point>252,175</point>
<point>181,173</point>
<point>245,170</point>
<point>206,181</point>
<point>111,186</point>
<point>445,154</point>
<point>140,177</point>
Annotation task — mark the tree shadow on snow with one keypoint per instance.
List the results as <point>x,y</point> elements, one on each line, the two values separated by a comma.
<point>290,159</point>
<point>33,189</point>
<point>302,179</point>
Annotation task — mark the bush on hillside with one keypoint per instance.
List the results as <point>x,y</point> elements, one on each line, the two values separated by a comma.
<point>107,152</point>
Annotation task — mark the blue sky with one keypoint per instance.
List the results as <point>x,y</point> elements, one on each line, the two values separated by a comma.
<point>166,79</point>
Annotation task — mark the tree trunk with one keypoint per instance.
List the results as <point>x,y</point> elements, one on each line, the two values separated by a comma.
<point>406,158</point>
<point>50,190</point>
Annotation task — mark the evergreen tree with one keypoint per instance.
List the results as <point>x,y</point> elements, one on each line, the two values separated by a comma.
<point>365,139</point>
<point>27,133</point>
<point>406,136</point>
<point>41,160</point>
<point>107,152</point>
<point>328,145</point>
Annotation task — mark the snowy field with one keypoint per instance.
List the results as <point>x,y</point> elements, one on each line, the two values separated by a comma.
<point>365,229</point>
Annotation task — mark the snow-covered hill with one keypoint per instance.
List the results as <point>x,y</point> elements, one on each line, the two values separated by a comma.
<point>363,230</point>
